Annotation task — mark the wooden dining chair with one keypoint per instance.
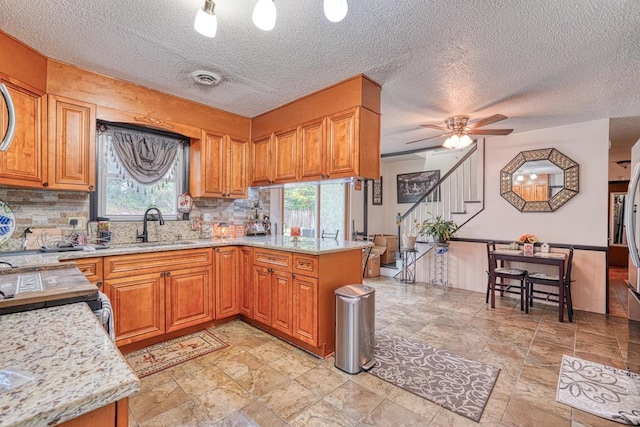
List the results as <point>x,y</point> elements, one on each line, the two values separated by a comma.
<point>329,235</point>
<point>510,274</point>
<point>552,280</point>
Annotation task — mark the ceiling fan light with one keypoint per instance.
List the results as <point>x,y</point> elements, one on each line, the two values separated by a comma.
<point>264,15</point>
<point>206,22</point>
<point>452,142</point>
<point>520,178</point>
<point>335,10</point>
<point>465,141</point>
<point>533,175</point>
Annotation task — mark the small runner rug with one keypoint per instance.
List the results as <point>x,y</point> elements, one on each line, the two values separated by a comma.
<point>453,382</point>
<point>157,357</point>
<point>601,390</point>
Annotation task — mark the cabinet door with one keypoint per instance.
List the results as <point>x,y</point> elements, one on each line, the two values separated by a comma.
<point>285,156</point>
<point>72,142</point>
<point>138,307</point>
<point>305,309</point>
<point>342,150</point>
<point>262,295</point>
<point>227,281</point>
<point>312,150</point>
<point>261,160</point>
<point>246,282</point>
<point>236,164</point>
<point>189,297</point>
<point>22,165</point>
<point>211,165</point>
<point>91,268</point>
<point>282,308</point>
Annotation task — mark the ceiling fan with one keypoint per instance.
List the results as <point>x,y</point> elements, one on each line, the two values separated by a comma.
<point>459,128</point>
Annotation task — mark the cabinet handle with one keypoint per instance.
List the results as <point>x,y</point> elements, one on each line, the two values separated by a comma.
<point>168,273</point>
<point>99,284</point>
<point>91,187</point>
<point>45,184</point>
<point>218,250</point>
<point>269,270</point>
<point>162,274</point>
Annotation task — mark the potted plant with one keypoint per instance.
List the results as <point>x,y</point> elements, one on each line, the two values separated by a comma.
<point>442,230</point>
<point>409,238</point>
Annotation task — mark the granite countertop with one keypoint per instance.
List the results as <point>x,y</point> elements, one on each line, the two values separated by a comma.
<point>305,245</point>
<point>76,368</point>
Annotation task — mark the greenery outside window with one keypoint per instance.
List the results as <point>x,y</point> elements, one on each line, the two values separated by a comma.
<point>315,207</point>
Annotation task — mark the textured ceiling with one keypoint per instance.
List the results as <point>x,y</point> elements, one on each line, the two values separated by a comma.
<point>541,63</point>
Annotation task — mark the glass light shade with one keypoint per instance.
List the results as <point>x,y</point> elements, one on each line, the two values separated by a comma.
<point>452,142</point>
<point>520,178</point>
<point>206,23</point>
<point>533,175</point>
<point>264,15</point>
<point>465,141</point>
<point>335,10</point>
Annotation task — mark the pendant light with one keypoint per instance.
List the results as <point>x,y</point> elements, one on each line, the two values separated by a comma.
<point>264,15</point>
<point>206,21</point>
<point>335,10</point>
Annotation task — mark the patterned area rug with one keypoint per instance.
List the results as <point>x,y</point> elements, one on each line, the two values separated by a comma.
<point>601,390</point>
<point>157,357</point>
<point>453,382</point>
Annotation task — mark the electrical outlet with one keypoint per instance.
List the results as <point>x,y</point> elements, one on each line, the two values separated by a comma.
<point>76,222</point>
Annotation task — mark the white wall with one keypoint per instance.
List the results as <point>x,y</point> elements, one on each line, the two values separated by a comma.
<point>581,221</point>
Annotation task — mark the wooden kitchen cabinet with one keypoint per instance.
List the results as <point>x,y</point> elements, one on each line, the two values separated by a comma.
<point>24,163</point>
<point>71,145</point>
<point>261,161</point>
<point>219,166</point>
<point>312,150</point>
<point>342,151</point>
<point>262,294</point>
<point>246,282</point>
<point>138,304</point>
<point>285,156</point>
<point>294,294</point>
<point>282,301</point>
<point>228,269</point>
<point>305,309</point>
<point>91,268</point>
<point>188,297</point>
<point>159,292</point>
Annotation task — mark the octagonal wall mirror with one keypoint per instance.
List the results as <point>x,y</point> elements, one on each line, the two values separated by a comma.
<point>539,180</point>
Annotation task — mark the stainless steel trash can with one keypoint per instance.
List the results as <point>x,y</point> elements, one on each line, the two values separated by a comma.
<point>355,328</point>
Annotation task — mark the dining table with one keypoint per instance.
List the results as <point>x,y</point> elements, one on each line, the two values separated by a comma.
<point>556,259</point>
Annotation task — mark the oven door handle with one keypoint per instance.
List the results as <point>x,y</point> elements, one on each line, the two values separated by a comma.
<point>11,115</point>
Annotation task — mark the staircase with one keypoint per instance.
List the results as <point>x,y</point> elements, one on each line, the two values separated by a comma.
<point>459,196</point>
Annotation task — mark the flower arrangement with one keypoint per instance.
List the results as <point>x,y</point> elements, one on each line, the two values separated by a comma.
<point>528,238</point>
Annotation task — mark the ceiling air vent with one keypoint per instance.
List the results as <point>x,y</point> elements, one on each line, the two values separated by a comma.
<point>206,78</point>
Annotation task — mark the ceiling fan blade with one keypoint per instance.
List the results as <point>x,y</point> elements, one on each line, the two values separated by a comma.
<point>487,121</point>
<point>429,137</point>
<point>436,127</point>
<point>490,131</point>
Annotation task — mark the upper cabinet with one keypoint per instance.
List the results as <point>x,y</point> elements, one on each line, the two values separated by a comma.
<point>22,165</point>
<point>218,166</point>
<point>71,145</point>
<point>331,134</point>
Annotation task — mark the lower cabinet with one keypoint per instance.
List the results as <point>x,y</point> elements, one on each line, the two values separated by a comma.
<point>246,282</point>
<point>262,294</point>
<point>156,293</point>
<point>228,276</point>
<point>282,301</point>
<point>305,309</point>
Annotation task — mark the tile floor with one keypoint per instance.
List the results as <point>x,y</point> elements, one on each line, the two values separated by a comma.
<point>261,381</point>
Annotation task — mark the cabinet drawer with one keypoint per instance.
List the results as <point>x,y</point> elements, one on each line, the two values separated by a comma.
<point>272,259</point>
<point>306,265</point>
<point>128,265</point>
<point>91,268</point>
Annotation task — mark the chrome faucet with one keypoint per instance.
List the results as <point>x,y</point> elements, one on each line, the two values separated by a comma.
<point>145,233</point>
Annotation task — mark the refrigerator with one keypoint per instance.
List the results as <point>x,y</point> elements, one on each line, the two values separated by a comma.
<point>632,223</point>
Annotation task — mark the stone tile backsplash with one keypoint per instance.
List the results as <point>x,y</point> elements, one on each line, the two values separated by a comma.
<point>48,209</point>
